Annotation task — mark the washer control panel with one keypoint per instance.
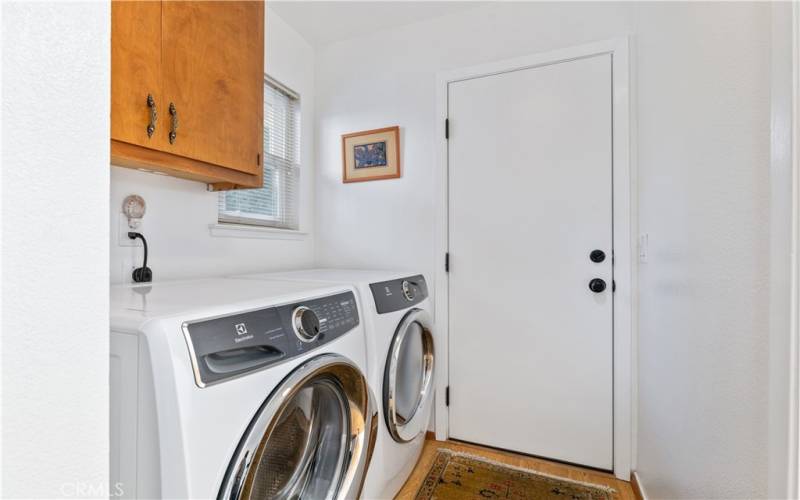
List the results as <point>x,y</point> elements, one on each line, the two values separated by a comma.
<point>402,293</point>
<point>230,346</point>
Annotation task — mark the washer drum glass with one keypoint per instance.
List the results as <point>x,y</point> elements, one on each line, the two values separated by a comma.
<point>312,438</point>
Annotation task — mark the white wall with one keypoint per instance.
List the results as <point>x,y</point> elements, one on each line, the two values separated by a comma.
<point>179,212</point>
<point>704,191</point>
<point>702,77</point>
<point>56,75</point>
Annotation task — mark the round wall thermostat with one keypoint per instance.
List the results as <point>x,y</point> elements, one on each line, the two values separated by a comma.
<point>133,207</point>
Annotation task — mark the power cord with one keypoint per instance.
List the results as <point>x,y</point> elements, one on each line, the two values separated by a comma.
<point>141,274</point>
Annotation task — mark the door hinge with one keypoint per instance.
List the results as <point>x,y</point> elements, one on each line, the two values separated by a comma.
<point>447,128</point>
<point>447,396</point>
<point>447,262</point>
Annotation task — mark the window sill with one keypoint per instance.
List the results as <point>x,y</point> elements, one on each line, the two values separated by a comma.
<point>254,232</point>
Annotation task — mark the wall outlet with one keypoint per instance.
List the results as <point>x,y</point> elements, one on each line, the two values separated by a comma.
<point>123,229</point>
<point>127,267</point>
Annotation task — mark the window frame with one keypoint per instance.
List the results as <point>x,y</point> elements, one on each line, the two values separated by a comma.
<point>238,219</point>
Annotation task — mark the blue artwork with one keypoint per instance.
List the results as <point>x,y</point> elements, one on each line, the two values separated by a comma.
<point>370,155</point>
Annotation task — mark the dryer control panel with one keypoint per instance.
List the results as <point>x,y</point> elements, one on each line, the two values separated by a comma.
<point>402,293</point>
<point>230,346</point>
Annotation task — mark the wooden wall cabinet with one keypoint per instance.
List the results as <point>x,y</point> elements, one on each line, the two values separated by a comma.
<point>187,89</point>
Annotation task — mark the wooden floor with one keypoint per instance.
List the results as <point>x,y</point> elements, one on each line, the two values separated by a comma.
<point>409,490</point>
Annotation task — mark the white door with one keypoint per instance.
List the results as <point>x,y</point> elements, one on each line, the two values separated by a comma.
<point>530,199</point>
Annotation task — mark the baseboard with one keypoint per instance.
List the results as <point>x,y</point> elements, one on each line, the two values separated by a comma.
<point>636,485</point>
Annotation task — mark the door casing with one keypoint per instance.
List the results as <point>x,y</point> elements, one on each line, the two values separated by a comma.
<point>625,225</point>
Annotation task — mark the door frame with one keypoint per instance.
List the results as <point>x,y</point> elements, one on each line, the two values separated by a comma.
<point>624,239</point>
<point>791,480</point>
<point>784,324</point>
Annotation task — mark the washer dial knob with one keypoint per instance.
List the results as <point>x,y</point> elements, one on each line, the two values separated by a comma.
<point>306,324</point>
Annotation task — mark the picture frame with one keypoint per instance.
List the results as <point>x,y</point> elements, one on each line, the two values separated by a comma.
<point>371,155</point>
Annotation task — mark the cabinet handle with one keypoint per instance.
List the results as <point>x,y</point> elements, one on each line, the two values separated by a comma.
<point>173,133</point>
<point>151,127</point>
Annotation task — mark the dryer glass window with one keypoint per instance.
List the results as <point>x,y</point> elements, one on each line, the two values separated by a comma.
<point>408,377</point>
<point>410,373</point>
<point>304,455</point>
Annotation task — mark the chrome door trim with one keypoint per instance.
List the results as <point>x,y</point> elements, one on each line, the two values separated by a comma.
<point>400,429</point>
<point>238,480</point>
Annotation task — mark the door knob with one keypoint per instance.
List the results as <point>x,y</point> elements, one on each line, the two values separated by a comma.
<point>597,256</point>
<point>597,285</point>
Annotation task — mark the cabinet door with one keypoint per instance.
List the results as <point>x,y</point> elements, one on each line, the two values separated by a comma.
<point>213,71</point>
<point>136,73</point>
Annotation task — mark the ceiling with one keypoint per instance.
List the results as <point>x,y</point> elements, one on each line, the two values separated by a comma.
<point>325,22</point>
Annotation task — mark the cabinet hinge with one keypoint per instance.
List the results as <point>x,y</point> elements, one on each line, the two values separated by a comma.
<point>447,262</point>
<point>447,396</point>
<point>258,159</point>
<point>447,128</point>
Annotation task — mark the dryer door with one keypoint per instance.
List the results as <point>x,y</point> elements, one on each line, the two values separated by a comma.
<point>312,438</point>
<point>408,377</point>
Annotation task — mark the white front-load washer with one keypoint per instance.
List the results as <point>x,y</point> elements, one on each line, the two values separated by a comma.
<point>235,389</point>
<point>400,360</point>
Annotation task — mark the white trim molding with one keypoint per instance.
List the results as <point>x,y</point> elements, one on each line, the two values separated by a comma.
<point>229,230</point>
<point>635,477</point>
<point>625,224</point>
<point>784,277</point>
<point>794,341</point>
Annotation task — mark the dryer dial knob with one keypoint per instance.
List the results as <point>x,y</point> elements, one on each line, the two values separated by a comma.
<point>408,291</point>
<point>306,324</point>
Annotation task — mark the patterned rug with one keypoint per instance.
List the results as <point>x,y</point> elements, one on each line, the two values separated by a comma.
<point>455,475</point>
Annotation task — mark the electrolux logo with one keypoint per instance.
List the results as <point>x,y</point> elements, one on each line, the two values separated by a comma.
<point>241,333</point>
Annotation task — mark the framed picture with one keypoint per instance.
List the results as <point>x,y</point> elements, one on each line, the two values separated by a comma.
<point>371,155</point>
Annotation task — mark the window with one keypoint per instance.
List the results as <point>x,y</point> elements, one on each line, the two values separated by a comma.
<point>275,204</point>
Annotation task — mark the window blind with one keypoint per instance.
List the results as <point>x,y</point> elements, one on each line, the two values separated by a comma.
<point>276,204</point>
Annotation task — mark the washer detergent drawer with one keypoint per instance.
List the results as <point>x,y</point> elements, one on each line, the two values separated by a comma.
<point>231,346</point>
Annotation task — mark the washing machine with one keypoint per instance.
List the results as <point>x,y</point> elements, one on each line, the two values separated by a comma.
<point>235,389</point>
<point>400,361</point>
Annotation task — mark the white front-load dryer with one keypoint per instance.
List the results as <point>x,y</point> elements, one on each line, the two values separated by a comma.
<point>400,360</point>
<point>235,389</point>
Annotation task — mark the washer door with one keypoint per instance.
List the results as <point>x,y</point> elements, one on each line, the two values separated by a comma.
<point>312,438</point>
<point>408,377</point>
